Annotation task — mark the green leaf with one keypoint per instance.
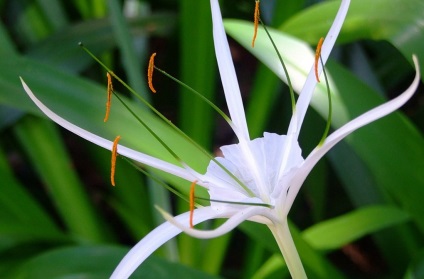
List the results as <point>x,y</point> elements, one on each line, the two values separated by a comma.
<point>30,23</point>
<point>95,34</point>
<point>25,227</point>
<point>339,231</point>
<point>357,180</point>
<point>82,102</point>
<point>97,262</point>
<point>18,207</point>
<point>54,12</point>
<point>8,116</point>
<point>416,268</point>
<point>399,161</point>
<point>45,149</point>
<point>397,21</point>
<point>7,47</point>
<point>14,233</point>
<point>274,264</point>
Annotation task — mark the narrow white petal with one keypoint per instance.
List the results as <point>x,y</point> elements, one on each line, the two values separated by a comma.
<point>306,93</point>
<point>238,216</point>
<point>360,121</point>
<point>107,144</point>
<point>232,92</point>
<point>228,74</point>
<point>156,239</point>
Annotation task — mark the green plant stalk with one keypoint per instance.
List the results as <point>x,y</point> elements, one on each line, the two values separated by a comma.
<point>315,263</point>
<point>285,242</point>
<point>42,142</point>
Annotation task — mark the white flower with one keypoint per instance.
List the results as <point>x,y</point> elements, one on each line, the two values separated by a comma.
<point>269,171</point>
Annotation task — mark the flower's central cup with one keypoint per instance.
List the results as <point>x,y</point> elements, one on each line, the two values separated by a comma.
<point>262,167</point>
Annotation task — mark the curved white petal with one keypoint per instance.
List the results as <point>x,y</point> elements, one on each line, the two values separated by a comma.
<point>228,74</point>
<point>236,219</point>
<point>156,238</point>
<point>345,130</point>
<point>107,144</point>
<point>306,94</point>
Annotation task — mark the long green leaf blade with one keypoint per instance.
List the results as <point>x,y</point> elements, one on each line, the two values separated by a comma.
<point>339,231</point>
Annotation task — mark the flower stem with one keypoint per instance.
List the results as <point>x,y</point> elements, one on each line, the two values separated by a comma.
<point>284,239</point>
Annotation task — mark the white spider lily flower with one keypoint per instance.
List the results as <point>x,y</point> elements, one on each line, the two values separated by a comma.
<point>271,169</point>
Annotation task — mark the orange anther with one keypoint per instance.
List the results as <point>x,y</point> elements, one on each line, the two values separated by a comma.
<point>109,95</point>
<point>150,72</point>
<point>113,160</point>
<point>317,56</point>
<point>255,22</point>
<point>192,202</point>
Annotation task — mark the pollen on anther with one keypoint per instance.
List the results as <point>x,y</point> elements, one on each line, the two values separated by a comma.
<point>150,72</point>
<point>317,56</point>
<point>109,95</point>
<point>113,160</point>
<point>255,22</point>
<point>192,202</point>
